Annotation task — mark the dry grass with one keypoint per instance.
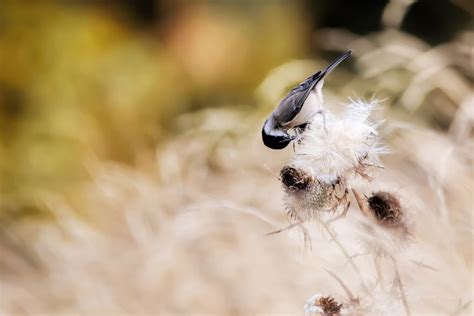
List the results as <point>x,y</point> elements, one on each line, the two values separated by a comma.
<point>187,234</point>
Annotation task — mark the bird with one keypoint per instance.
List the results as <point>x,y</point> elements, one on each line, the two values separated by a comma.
<point>297,108</point>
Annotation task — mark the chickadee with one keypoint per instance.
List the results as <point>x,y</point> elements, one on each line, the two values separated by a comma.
<point>297,109</point>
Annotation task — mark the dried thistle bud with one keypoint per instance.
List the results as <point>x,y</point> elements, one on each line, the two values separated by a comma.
<point>295,179</point>
<point>386,208</point>
<point>384,231</point>
<point>305,195</point>
<point>330,305</point>
<point>322,305</point>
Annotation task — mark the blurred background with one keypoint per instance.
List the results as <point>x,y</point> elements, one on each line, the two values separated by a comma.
<point>132,175</point>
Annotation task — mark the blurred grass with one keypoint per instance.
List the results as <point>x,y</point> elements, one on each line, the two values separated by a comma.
<point>80,80</point>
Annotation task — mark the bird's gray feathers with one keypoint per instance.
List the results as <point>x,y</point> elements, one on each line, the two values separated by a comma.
<point>292,104</point>
<point>294,112</point>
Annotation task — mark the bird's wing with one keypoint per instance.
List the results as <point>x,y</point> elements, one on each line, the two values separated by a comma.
<point>292,104</point>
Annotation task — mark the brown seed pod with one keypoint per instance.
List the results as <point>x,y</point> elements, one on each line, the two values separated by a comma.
<point>306,196</point>
<point>319,305</point>
<point>329,305</point>
<point>386,208</point>
<point>295,179</point>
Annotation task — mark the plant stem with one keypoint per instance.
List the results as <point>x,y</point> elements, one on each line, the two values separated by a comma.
<point>361,203</point>
<point>344,252</point>
<point>398,280</point>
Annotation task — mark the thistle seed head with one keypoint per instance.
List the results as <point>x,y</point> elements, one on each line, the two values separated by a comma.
<point>333,147</point>
<point>322,305</point>
<point>330,305</point>
<point>295,179</point>
<point>386,208</point>
<point>305,195</point>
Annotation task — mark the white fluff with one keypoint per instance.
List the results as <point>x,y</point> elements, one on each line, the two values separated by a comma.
<point>331,146</point>
<point>311,308</point>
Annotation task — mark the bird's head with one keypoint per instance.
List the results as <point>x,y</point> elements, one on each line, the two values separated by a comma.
<point>274,137</point>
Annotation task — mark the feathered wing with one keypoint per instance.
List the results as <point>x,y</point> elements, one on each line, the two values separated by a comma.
<point>292,104</point>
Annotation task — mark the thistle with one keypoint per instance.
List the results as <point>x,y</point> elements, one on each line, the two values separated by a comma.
<point>386,209</point>
<point>319,305</point>
<point>330,153</point>
<point>335,148</point>
<point>306,196</point>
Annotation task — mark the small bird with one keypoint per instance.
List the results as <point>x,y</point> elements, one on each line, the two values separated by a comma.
<point>297,109</point>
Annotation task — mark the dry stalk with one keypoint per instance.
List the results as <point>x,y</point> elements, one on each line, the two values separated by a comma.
<point>378,269</point>
<point>344,252</point>
<point>361,202</point>
<point>284,228</point>
<point>349,294</point>
<point>399,283</point>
